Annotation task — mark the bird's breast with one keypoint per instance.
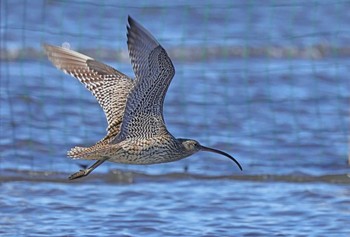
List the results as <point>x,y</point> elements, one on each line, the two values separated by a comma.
<point>148,151</point>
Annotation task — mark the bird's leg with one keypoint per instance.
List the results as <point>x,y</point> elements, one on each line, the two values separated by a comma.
<point>87,171</point>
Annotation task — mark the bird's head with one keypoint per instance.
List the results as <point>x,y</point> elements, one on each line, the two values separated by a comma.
<point>191,146</point>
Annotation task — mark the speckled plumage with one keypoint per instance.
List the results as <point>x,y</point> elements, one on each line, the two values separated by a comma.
<point>109,86</point>
<point>136,132</point>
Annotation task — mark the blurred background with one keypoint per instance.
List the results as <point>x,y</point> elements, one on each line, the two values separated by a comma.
<point>266,81</point>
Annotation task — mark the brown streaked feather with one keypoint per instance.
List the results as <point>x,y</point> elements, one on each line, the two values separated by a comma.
<point>95,152</point>
<point>109,86</point>
<point>143,116</point>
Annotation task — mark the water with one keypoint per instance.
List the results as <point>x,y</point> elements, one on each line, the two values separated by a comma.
<point>266,83</point>
<point>176,207</point>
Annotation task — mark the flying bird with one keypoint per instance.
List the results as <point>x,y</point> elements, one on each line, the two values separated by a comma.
<point>136,132</point>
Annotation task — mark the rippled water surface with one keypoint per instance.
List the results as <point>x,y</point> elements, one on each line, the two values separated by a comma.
<point>266,82</point>
<point>175,208</point>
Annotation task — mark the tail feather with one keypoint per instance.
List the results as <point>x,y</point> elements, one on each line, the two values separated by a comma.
<point>78,152</point>
<point>95,152</point>
<point>86,152</point>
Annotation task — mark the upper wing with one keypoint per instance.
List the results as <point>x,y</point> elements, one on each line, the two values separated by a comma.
<point>109,86</point>
<point>154,71</point>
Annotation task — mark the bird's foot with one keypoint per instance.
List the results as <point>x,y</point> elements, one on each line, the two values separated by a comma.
<point>85,172</point>
<point>79,174</point>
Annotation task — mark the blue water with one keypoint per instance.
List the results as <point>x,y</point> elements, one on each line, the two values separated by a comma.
<point>266,82</point>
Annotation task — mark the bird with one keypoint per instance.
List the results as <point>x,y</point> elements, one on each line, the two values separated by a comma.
<point>136,132</point>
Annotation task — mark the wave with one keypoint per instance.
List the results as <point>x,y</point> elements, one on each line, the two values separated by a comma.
<point>199,52</point>
<point>130,177</point>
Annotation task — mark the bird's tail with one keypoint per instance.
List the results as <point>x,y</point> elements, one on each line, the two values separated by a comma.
<point>78,152</point>
<point>95,152</point>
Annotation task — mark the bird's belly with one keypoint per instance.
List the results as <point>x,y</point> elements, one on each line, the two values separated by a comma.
<point>146,152</point>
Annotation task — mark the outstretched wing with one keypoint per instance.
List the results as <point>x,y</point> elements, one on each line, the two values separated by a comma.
<point>109,86</point>
<point>154,71</point>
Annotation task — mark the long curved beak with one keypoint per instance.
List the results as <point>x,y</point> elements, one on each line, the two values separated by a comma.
<point>204,148</point>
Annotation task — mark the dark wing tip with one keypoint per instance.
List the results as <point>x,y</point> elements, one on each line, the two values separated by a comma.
<point>133,23</point>
<point>130,20</point>
<point>136,32</point>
